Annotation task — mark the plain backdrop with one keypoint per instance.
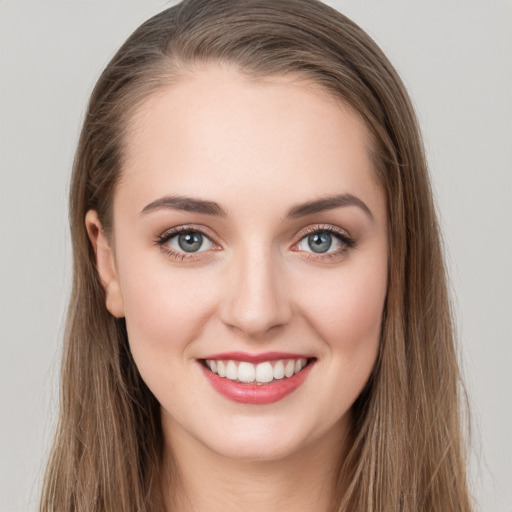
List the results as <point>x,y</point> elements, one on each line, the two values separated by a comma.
<point>455,57</point>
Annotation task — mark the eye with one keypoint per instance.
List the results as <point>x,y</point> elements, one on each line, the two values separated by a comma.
<point>182,241</point>
<point>319,242</point>
<point>324,241</point>
<point>192,241</point>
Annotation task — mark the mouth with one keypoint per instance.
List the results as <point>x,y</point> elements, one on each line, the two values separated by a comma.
<point>258,382</point>
<point>266,372</point>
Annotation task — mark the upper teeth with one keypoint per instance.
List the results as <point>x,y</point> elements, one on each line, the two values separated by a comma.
<point>260,373</point>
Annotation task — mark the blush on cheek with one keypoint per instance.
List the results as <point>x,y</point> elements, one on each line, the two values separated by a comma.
<point>349,313</point>
<point>164,315</point>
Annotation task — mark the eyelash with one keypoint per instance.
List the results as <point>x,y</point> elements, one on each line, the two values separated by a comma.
<point>343,237</point>
<point>163,239</point>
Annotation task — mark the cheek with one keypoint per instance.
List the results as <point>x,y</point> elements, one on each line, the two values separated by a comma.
<point>347,309</point>
<point>164,308</point>
<point>165,312</point>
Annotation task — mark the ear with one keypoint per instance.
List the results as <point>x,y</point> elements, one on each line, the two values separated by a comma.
<point>105,264</point>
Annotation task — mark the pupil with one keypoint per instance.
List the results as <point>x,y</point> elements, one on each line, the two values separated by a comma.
<point>190,242</point>
<point>320,242</point>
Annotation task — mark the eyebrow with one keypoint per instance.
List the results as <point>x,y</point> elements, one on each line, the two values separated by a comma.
<point>185,203</point>
<point>328,203</point>
<point>191,204</point>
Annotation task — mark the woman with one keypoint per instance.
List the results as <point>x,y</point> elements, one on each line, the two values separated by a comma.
<point>259,317</point>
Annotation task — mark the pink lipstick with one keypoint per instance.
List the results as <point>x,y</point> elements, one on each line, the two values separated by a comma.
<point>256,378</point>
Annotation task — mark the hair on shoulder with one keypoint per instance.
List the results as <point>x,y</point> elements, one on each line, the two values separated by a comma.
<point>408,447</point>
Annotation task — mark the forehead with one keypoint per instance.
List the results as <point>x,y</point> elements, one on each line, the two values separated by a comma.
<point>217,130</point>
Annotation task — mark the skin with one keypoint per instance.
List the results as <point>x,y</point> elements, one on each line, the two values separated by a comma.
<point>257,148</point>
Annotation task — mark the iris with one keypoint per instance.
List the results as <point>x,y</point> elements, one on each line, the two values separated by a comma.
<point>190,242</point>
<point>320,242</point>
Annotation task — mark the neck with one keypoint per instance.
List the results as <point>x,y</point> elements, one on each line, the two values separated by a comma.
<point>200,480</point>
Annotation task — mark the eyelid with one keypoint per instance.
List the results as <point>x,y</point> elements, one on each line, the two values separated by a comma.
<point>186,228</point>
<point>168,234</point>
<point>323,227</point>
<point>341,234</point>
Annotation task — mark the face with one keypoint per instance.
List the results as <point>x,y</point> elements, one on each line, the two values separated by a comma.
<point>249,258</point>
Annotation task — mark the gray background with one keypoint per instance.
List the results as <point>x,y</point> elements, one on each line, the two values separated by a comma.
<point>455,58</point>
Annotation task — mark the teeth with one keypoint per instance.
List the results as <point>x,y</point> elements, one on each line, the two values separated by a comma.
<point>246,372</point>
<point>289,369</point>
<point>221,368</point>
<point>279,370</point>
<point>231,371</point>
<point>264,372</point>
<point>261,373</point>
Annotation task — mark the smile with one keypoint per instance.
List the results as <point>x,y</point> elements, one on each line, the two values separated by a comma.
<point>262,373</point>
<point>256,380</point>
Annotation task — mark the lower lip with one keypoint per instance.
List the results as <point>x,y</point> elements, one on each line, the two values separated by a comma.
<point>253,393</point>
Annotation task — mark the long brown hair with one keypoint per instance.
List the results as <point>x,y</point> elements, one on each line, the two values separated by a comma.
<point>408,450</point>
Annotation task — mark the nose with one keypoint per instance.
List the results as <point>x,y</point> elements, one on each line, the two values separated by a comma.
<point>256,301</point>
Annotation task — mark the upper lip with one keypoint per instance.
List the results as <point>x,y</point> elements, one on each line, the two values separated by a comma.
<point>256,358</point>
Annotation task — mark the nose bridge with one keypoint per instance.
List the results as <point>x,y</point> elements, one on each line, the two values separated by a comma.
<point>257,300</point>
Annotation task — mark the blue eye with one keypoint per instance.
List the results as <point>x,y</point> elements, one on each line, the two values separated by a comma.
<point>320,242</point>
<point>187,242</point>
<point>323,241</point>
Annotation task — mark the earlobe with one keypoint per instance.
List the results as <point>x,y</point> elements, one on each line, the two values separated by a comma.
<point>105,264</point>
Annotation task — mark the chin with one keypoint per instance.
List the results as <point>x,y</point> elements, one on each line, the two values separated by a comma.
<point>259,439</point>
<point>256,449</point>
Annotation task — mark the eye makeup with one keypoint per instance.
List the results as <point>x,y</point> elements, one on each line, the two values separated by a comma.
<point>322,242</point>
<point>175,242</point>
<point>324,236</point>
